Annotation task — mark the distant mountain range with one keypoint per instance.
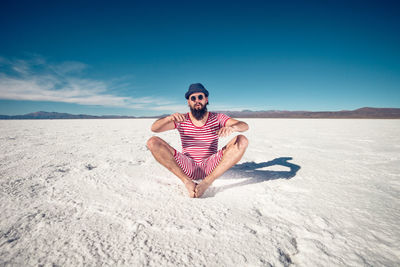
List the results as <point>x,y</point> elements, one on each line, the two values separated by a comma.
<point>362,113</point>
<point>43,115</point>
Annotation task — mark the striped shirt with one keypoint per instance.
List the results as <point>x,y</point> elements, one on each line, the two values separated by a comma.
<point>200,143</point>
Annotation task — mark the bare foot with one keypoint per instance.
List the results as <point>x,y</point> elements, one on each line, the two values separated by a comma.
<point>190,186</point>
<point>201,188</point>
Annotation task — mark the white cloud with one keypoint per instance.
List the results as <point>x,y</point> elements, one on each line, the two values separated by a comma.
<point>20,67</point>
<point>68,67</point>
<point>37,80</point>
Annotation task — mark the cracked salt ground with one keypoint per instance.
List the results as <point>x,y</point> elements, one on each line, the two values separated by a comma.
<point>306,193</point>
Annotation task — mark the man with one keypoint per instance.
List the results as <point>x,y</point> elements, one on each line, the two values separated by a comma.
<point>199,131</point>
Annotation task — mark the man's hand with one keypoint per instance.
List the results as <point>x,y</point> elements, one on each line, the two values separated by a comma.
<point>225,131</point>
<point>177,117</point>
<point>167,123</point>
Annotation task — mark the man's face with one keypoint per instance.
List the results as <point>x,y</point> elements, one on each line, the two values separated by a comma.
<point>197,101</point>
<point>198,105</point>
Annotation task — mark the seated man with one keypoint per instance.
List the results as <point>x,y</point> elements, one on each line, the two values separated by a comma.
<point>199,131</point>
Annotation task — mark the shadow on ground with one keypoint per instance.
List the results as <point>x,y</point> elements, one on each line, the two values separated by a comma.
<point>253,171</point>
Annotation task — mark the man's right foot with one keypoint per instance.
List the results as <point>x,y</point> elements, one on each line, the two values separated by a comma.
<point>190,186</point>
<point>201,188</point>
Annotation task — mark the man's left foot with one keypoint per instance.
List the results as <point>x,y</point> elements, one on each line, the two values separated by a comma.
<point>190,186</point>
<point>201,188</point>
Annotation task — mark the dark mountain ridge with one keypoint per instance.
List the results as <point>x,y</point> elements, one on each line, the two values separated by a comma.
<point>361,113</point>
<point>43,115</point>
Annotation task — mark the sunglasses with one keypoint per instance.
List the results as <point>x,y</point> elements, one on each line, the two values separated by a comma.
<point>199,97</point>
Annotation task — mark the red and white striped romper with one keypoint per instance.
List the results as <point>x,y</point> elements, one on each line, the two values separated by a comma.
<point>200,154</point>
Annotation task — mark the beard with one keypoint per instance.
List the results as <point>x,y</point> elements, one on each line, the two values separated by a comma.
<point>199,113</point>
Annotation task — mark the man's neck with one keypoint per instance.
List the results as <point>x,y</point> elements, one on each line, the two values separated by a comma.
<point>199,122</point>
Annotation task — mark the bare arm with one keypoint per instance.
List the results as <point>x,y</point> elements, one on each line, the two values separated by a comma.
<point>167,123</point>
<point>238,126</point>
<point>231,126</point>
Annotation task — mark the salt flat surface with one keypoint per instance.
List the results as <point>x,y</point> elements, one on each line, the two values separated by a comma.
<point>307,193</point>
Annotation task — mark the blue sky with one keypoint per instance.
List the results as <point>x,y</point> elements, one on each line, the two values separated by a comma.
<point>139,57</point>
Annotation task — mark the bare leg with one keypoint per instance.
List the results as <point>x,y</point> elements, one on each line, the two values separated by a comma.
<point>233,152</point>
<point>164,154</point>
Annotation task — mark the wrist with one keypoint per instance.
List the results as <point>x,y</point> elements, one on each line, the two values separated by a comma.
<point>208,180</point>
<point>187,181</point>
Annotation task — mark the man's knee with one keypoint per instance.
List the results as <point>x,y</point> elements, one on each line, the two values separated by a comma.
<point>153,142</point>
<point>239,143</point>
<point>242,142</point>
